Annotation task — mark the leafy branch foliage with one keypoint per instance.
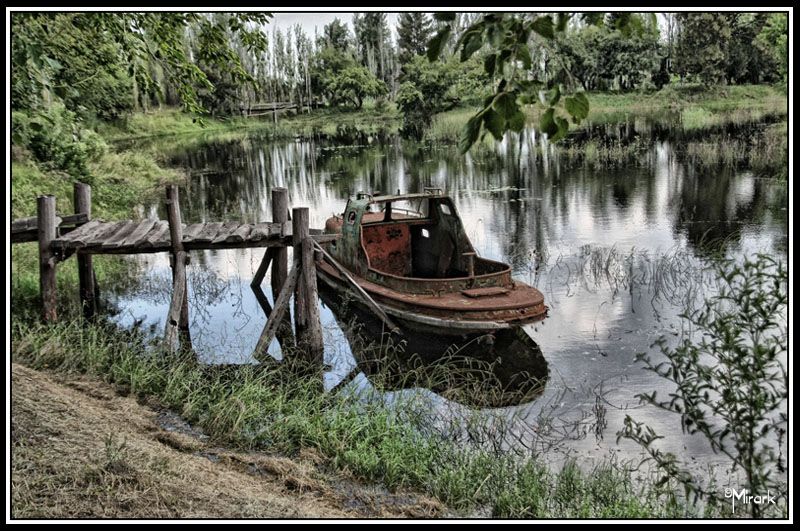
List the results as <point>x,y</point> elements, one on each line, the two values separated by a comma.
<point>509,37</point>
<point>43,56</point>
<point>730,382</point>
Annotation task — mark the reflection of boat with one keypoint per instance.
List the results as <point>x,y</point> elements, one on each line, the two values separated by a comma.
<point>499,370</point>
<point>410,254</point>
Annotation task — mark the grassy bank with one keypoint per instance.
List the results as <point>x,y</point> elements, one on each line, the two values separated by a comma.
<point>170,122</point>
<point>273,409</point>
<point>693,107</point>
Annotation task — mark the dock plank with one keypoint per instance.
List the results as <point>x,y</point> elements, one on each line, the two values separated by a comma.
<point>261,231</point>
<point>226,230</point>
<point>96,238</point>
<point>157,236</point>
<point>114,240</point>
<point>152,236</point>
<point>190,231</point>
<point>83,232</point>
<point>208,233</point>
<point>137,236</point>
<point>240,234</point>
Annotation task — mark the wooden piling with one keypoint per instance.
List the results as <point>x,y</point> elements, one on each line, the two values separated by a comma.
<point>46,223</point>
<point>277,314</point>
<point>178,317</point>
<point>308,328</point>
<point>280,255</point>
<point>82,198</point>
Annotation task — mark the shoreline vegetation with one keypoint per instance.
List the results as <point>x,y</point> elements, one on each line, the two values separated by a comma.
<point>247,409</point>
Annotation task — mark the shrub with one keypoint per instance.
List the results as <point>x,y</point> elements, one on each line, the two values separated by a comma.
<point>730,381</point>
<point>57,139</point>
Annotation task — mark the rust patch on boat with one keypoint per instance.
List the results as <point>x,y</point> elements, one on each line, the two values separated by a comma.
<point>388,247</point>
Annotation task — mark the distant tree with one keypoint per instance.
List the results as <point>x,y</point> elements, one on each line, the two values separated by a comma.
<point>335,35</point>
<point>427,88</point>
<point>374,45</point>
<point>336,76</point>
<point>325,64</point>
<point>605,58</point>
<point>355,83</point>
<point>747,61</point>
<point>703,44</point>
<point>774,40</point>
<point>414,30</point>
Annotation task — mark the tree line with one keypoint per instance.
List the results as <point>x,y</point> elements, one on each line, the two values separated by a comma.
<point>105,65</point>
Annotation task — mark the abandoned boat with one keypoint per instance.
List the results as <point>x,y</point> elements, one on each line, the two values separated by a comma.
<point>408,258</point>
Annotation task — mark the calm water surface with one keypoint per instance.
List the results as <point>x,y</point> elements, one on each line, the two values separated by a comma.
<point>617,252</point>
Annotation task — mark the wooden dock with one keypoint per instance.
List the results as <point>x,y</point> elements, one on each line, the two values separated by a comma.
<point>61,236</point>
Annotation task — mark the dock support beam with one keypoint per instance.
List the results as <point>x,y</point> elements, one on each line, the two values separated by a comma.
<point>46,223</point>
<point>280,255</point>
<point>178,317</point>
<point>82,198</point>
<point>308,328</point>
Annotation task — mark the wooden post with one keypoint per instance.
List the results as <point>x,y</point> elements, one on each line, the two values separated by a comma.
<point>280,262</point>
<point>280,255</point>
<point>46,223</point>
<point>178,317</point>
<point>276,316</point>
<point>308,328</point>
<point>82,197</point>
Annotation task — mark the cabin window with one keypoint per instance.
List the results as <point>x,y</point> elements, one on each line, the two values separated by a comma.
<point>351,217</point>
<point>425,233</point>
<point>405,209</point>
<point>445,209</point>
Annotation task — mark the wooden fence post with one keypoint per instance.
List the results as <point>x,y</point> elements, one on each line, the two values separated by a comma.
<point>82,197</point>
<point>46,223</point>
<point>178,317</point>
<point>308,328</point>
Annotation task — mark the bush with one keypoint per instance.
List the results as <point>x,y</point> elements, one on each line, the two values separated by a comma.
<point>57,139</point>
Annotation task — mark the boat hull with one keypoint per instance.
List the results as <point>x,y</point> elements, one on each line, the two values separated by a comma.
<point>449,314</point>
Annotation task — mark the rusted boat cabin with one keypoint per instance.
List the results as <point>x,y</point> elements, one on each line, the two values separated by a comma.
<point>413,243</point>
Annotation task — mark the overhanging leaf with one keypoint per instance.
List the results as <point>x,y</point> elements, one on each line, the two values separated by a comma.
<point>517,121</point>
<point>577,106</point>
<point>470,133</point>
<point>436,44</point>
<point>561,21</point>
<point>445,16</point>
<point>553,95</point>
<point>544,27</point>
<point>495,123</point>
<point>562,129</point>
<point>547,123</point>
<point>524,55</point>
<point>472,40</point>
<point>489,64</point>
<point>506,105</point>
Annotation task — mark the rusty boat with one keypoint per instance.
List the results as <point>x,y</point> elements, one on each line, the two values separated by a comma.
<point>408,258</point>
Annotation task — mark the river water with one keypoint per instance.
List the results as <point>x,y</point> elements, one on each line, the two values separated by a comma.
<point>618,248</point>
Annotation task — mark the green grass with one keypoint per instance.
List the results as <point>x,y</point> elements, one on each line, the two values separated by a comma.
<point>275,409</point>
<point>173,122</point>
<point>694,106</point>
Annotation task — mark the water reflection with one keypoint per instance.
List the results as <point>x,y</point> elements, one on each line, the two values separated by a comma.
<point>617,249</point>
<point>500,370</point>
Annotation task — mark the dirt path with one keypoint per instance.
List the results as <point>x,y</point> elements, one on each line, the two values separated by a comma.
<point>81,450</point>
